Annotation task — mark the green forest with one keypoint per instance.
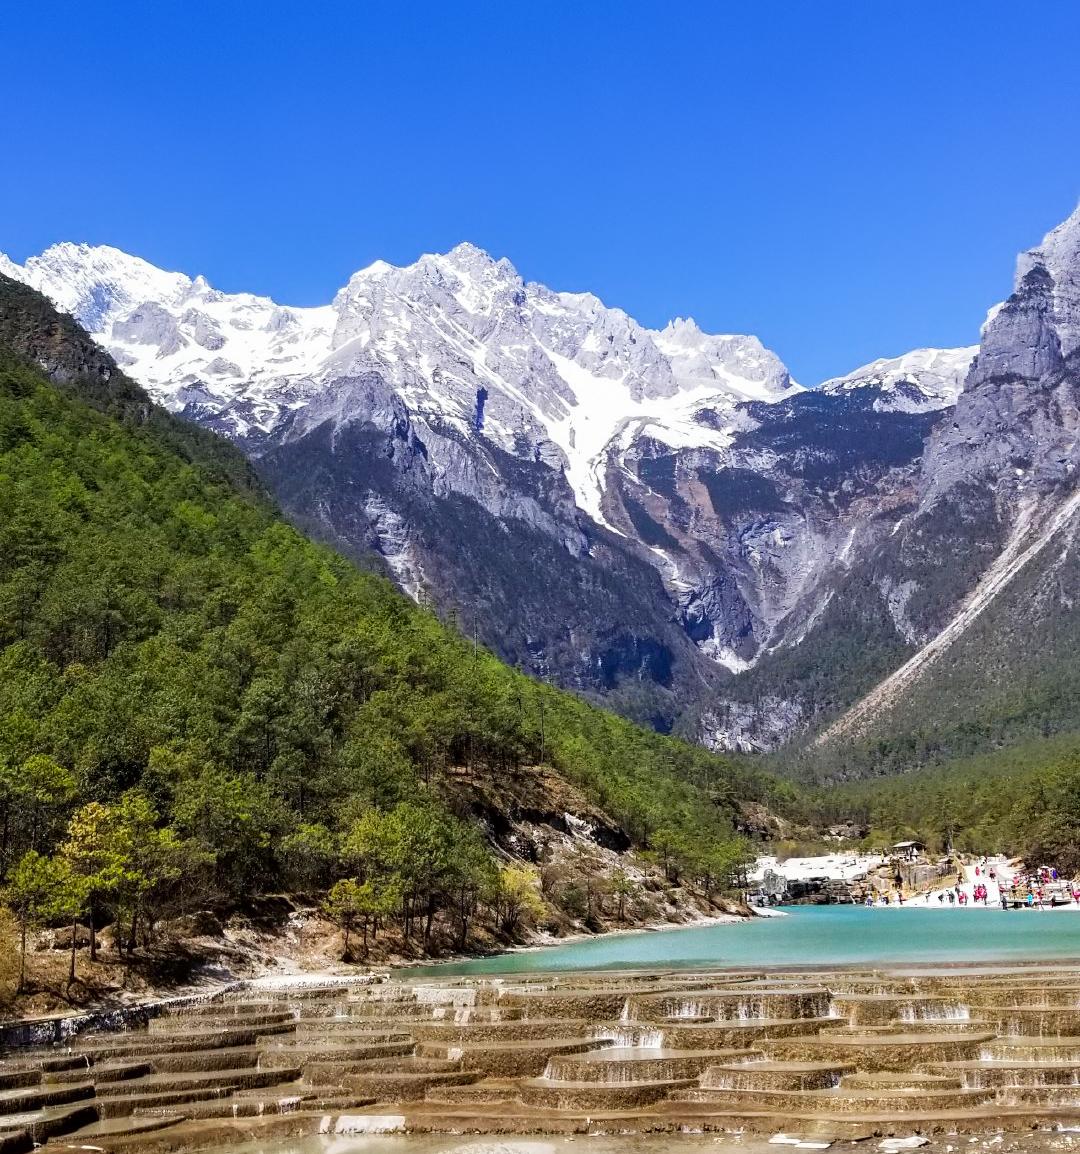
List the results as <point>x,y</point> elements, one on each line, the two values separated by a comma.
<point>198,704</point>
<point>1023,799</point>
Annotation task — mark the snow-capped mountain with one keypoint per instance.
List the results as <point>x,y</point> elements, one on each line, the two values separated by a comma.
<point>921,381</point>
<point>634,512</point>
<point>460,337</point>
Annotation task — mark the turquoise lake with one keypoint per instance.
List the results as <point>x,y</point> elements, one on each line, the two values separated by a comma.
<point>813,935</point>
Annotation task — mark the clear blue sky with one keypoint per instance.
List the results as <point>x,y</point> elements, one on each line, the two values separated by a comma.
<point>845,179</point>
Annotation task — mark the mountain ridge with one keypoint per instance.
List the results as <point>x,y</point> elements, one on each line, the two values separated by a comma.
<point>661,519</point>
<point>998,498</point>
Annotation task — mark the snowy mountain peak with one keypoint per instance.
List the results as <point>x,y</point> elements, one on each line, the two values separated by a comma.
<point>682,331</point>
<point>920,381</point>
<point>96,283</point>
<point>469,256</point>
<point>459,337</point>
<point>740,363</point>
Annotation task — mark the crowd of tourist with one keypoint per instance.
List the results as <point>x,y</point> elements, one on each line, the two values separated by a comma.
<point>989,883</point>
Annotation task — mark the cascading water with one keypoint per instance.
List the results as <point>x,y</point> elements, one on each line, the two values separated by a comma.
<point>629,1037</point>
<point>685,1008</point>
<point>749,1008</point>
<point>921,1012</point>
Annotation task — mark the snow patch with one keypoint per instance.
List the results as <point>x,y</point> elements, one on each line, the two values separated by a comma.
<point>920,381</point>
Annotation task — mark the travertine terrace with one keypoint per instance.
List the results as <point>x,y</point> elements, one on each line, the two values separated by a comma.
<point>830,1055</point>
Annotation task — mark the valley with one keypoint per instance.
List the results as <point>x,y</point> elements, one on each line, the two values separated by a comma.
<point>539,579</point>
<point>470,432</point>
<point>661,520</point>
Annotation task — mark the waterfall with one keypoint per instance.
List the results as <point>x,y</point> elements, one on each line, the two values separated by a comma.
<point>685,1008</point>
<point>629,1037</point>
<point>920,1012</point>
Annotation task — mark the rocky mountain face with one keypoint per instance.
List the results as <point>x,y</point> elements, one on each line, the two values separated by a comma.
<point>975,588</point>
<point>659,517</point>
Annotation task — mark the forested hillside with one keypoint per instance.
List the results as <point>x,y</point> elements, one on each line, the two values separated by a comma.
<point>197,704</point>
<point>1023,800</point>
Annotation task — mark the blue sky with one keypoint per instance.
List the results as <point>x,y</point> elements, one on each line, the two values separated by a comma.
<point>845,179</point>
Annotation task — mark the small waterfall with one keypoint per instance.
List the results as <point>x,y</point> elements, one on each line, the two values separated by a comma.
<point>629,1037</point>
<point>820,1005</point>
<point>621,1073</point>
<point>919,1012</point>
<point>685,1008</point>
<point>625,1015</point>
<point>747,1009</point>
<point>288,1105</point>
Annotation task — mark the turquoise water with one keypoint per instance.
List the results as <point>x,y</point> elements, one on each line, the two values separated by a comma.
<point>812,935</point>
